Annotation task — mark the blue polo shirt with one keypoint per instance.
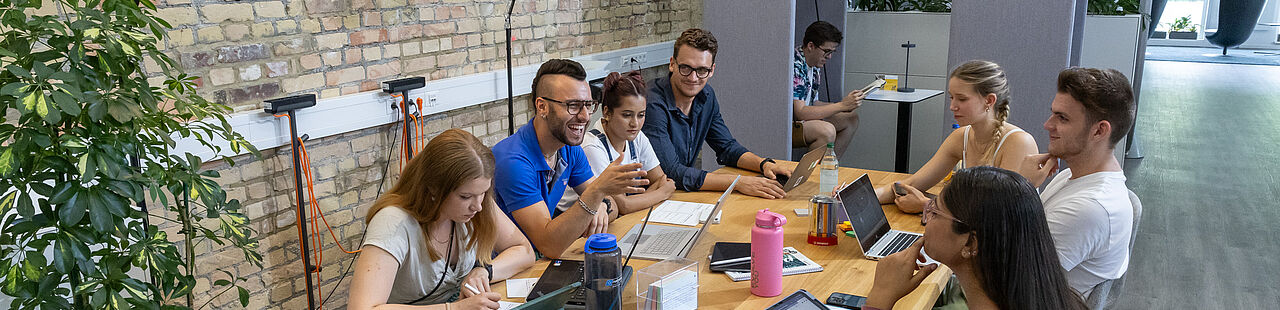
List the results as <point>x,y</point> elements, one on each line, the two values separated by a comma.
<point>522,177</point>
<point>677,137</point>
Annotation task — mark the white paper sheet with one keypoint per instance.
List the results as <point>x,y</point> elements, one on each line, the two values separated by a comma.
<point>680,212</point>
<point>507,305</point>
<point>519,288</point>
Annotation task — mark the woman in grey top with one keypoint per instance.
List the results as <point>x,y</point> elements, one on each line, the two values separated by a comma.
<point>436,230</point>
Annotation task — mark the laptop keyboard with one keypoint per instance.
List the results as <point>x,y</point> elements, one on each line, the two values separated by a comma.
<point>901,241</point>
<point>580,293</point>
<point>666,243</point>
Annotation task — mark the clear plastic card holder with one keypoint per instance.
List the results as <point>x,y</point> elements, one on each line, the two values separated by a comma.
<point>668,285</point>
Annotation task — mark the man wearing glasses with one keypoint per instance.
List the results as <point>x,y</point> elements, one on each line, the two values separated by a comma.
<point>683,112</point>
<point>534,166</point>
<point>818,123</point>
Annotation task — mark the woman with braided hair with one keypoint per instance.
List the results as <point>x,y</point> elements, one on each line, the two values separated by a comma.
<point>979,94</point>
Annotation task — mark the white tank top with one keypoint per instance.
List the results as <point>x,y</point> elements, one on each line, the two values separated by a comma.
<point>964,153</point>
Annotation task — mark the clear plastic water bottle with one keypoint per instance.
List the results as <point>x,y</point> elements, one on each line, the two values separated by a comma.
<point>830,174</point>
<point>602,270</point>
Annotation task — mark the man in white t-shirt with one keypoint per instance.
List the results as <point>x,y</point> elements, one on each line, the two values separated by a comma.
<point>1087,206</point>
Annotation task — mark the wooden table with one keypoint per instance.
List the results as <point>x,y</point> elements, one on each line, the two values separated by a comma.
<point>845,269</point>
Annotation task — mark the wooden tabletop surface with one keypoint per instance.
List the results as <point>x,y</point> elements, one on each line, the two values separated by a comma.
<point>845,269</point>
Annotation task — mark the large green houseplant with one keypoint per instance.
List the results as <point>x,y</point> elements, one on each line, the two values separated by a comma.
<point>904,5</point>
<point>1113,7</point>
<point>79,107</point>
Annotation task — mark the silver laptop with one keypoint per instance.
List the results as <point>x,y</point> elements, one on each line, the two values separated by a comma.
<point>875,238</point>
<point>804,169</point>
<point>662,242</point>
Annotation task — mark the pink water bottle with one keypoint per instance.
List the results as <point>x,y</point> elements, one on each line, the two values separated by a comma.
<point>766,254</point>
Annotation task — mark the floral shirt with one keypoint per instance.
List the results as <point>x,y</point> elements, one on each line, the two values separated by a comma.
<point>804,79</point>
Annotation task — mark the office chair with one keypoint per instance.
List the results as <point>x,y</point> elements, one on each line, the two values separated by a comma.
<point>1236,20</point>
<point>1106,293</point>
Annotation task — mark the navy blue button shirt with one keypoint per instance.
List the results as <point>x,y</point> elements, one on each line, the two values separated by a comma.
<point>677,137</point>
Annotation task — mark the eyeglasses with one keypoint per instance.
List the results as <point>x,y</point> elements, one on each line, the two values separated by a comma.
<point>931,210</point>
<point>576,106</point>
<point>827,52</point>
<point>685,70</point>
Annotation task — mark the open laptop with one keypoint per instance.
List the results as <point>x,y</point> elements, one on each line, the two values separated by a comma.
<point>553,300</point>
<point>662,242</point>
<point>875,238</point>
<point>563,273</point>
<point>803,170</point>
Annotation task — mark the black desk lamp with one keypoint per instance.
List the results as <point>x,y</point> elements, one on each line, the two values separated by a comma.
<point>903,87</point>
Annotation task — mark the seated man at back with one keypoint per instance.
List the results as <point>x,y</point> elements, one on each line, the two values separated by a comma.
<point>536,164</point>
<point>1087,205</point>
<point>683,112</point>
<point>821,122</point>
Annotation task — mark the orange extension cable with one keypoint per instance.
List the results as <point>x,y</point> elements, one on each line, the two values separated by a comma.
<point>315,211</point>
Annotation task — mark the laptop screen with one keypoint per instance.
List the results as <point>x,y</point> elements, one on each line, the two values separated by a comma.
<point>869,222</point>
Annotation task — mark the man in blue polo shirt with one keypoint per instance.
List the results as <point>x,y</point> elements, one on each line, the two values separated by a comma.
<point>534,166</point>
<point>683,112</point>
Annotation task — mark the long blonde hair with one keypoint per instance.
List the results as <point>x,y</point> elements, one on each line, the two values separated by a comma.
<point>448,160</point>
<point>988,78</point>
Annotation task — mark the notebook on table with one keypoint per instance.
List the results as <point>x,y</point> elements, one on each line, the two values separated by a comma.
<point>731,256</point>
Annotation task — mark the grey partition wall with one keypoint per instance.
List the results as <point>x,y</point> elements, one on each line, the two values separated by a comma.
<point>1031,39</point>
<point>873,43</point>
<point>752,78</point>
<point>809,11</point>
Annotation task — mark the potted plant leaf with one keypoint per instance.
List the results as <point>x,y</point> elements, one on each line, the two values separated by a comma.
<point>1182,29</point>
<point>88,169</point>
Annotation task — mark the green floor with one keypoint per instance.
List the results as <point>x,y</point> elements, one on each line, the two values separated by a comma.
<point>1210,233</point>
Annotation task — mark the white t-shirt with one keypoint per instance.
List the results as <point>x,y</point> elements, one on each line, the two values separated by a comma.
<point>1091,220</point>
<point>599,157</point>
<point>395,231</point>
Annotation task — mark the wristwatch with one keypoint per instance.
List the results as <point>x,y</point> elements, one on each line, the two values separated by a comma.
<point>766,160</point>
<point>608,205</point>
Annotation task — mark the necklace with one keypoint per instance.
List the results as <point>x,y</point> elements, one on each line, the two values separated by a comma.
<point>446,239</point>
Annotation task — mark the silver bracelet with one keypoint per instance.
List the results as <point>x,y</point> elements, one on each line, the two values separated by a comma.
<point>585,207</point>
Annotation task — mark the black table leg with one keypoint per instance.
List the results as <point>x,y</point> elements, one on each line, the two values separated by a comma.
<point>902,155</point>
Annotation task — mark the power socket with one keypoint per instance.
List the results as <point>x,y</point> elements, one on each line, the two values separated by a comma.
<point>630,62</point>
<point>431,99</point>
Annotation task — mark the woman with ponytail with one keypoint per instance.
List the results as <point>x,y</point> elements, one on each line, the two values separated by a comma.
<point>979,96</point>
<point>617,134</point>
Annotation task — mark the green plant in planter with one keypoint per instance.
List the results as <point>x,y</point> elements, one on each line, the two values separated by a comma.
<point>78,108</point>
<point>904,5</point>
<point>1182,24</point>
<point>1113,7</point>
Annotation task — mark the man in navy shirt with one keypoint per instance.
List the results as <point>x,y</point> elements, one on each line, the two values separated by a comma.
<point>534,166</point>
<point>683,112</point>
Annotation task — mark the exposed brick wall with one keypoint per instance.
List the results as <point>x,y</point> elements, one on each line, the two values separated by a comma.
<point>247,51</point>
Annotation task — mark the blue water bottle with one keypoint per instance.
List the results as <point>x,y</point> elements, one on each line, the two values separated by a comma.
<point>602,270</point>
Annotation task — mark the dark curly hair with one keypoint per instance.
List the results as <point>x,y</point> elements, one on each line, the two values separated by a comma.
<point>698,38</point>
<point>1105,94</point>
